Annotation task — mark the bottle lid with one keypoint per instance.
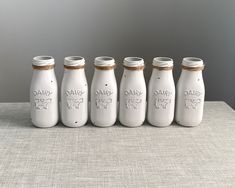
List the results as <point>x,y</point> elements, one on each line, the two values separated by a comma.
<point>43,60</point>
<point>162,62</point>
<point>104,61</point>
<point>192,62</point>
<point>74,61</point>
<point>133,62</point>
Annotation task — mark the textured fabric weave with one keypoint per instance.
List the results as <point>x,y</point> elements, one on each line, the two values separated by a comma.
<point>121,157</point>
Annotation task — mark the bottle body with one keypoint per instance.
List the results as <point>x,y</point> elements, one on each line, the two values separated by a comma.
<point>44,98</point>
<point>132,108</point>
<point>161,98</point>
<point>74,98</point>
<point>190,94</point>
<point>103,98</point>
<point>104,93</point>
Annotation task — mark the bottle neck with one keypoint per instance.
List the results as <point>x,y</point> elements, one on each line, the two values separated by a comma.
<point>44,72</point>
<point>74,71</point>
<point>192,74</point>
<point>162,73</point>
<point>44,75</point>
<point>133,73</point>
<point>99,72</point>
<point>75,74</point>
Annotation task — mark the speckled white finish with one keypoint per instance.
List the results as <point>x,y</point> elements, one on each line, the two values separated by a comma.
<point>74,94</point>
<point>44,94</point>
<point>132,107</point>
<point>103,94</point>
<point>190,94</point>
<point>161,94</point>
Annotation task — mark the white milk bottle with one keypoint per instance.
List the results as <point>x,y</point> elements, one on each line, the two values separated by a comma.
<point>161,93</point>
<point>190,93</point>
<point>74,93</point>
<point>104,93</point>
<point>44,93</point>
<point>132,108</point>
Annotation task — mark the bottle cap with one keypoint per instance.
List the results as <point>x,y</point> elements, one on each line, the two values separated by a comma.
<point>43,60</point>
<point>163,62</point>
<point>133,61</point>
<point>74,61</point>
<point>104,61</point>
<point>192,62</point>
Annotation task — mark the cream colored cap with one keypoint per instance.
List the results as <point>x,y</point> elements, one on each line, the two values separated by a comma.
<point>133,61</point>
<point>162,62</point>
<point>43,60</point>
<point>74,61</point>
<point>104,61</point>
<point>192,62</point>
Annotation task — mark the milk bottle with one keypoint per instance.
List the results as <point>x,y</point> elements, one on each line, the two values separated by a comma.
<point>190,93</point>
<point>132,93</point>
<point>161,93</point>
<point>74,92</point>
<point>44,93</point>
<point>104,93</point>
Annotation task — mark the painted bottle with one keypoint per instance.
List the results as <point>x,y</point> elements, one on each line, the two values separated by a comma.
<point>161,93</point>
<point>104,93</point>
<point>132,107</point>
<point>44,93</point>
<point>190,93</point>
<point>74,93</point>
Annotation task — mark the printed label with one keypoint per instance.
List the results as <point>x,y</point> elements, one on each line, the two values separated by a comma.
<point>133,99</point>
<point>74,98</point>
<point>42,99</point>
<point>192,99</point>
<point>162,99</point>
<point>103,98</point>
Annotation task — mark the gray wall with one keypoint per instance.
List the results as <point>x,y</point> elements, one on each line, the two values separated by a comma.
<point>118,28</point>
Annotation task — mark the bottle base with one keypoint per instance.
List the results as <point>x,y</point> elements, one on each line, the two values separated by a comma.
<point>43,127</point>
<point>158,124</point>
<point>102,126</point>
<point>187,124</point>
<point>131,126</point>
<point>73,124</point>
<point>44,124</point>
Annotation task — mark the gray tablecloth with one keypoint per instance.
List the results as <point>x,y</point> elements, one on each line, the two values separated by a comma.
<point>147,156</point>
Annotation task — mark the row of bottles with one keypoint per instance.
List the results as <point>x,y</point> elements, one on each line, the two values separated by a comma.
<point>132,107</point>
